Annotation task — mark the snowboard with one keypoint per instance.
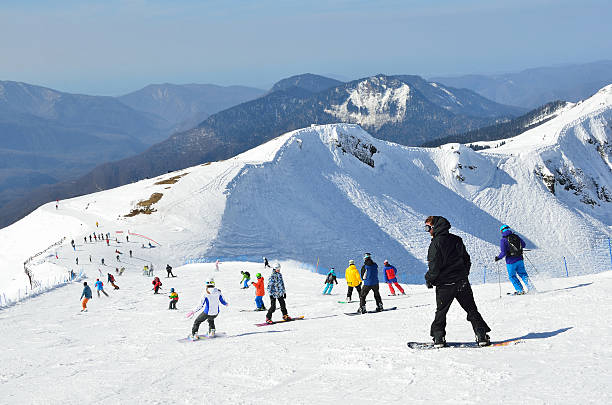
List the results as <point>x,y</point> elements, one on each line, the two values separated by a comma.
<point>202,337</point>
<point>460,345</point>
<point>370,312</point>
<point>297,318</point>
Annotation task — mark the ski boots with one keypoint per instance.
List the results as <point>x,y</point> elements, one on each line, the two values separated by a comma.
<point>362,310</point>
<point>269,321</point>
<point>194,336</point>
<point>211,333</point>
<point>286,318</point>
<point>379,308</point>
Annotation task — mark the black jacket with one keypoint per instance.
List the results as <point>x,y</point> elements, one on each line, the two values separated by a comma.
<point>448,260</point>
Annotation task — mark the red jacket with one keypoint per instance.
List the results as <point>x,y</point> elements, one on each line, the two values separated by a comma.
<point>156,282</point>
<point>260,291</point>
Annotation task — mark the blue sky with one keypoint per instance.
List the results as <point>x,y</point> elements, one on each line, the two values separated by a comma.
<point>113,47</point>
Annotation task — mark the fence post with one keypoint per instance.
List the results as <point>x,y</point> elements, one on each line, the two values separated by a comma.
<point>565,264</point>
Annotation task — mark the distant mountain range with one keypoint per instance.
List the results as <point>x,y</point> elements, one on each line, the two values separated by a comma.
<point>187,105</point>
<point>48,136</point>
<point>532,88</point>
<point>403,109</point>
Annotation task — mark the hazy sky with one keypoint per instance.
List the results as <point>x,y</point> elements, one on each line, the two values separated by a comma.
<point>113,47</point>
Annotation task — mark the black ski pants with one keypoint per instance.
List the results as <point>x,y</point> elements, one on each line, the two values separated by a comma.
<point>349,294</point>
<point>170,274</point>
<point>445,294</point>
<point>272,308</point>
<point>364,293</point>
<point>201,318</point>
<point>172,304</point>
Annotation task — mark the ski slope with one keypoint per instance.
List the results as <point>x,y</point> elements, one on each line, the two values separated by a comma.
<point>125,349</point>
<point>315,198</point>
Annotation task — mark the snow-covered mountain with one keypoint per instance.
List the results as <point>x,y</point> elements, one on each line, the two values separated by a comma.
<point>329,193</point>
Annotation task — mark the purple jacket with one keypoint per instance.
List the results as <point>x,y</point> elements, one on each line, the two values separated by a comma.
<point>505,249</point>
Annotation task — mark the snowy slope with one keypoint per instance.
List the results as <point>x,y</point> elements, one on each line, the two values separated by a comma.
<point>125,349</point>
<point>328,193</point>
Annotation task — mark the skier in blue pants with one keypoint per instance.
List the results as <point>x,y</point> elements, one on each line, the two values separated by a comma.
<point>511,246</point>
<point>329,282</point>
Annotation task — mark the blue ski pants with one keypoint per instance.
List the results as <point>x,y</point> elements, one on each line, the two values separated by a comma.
<point>259,302</point>
<point>328,288</point>
<point>246,283</point>
<point>515,269</point>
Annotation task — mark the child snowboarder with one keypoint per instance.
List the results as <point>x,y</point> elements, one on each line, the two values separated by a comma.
<point>276,291</point>
<point>210,303</point>
<point>353,280</point>
<point>329,282</point>
<point>87,294</point>
<point>259,292</point>
<point>156,285</point>
<point>173,299</point>
<point>246,277</point>
<point>390,273</point>
<point>100,287</point>
<point>111,280</point>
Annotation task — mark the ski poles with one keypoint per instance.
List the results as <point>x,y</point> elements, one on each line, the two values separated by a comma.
<point>499,280</point>
<point>530,262</point>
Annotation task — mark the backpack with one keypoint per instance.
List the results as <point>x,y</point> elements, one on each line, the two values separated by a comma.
<point>514,246</point>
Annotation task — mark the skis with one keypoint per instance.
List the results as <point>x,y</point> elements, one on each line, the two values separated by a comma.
<point>297,318</point>
<point>370,312</point>
<point>201,337</point>
<point>460,345</point>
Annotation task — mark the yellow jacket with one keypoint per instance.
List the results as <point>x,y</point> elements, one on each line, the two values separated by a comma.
<point>352,276</point>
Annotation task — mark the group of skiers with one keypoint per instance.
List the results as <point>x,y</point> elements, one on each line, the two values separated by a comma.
<point>448,270</point>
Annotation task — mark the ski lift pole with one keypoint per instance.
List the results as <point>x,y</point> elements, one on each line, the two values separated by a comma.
<point>565,264</point>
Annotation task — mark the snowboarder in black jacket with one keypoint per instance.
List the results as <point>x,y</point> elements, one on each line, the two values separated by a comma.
<point>449,267</point>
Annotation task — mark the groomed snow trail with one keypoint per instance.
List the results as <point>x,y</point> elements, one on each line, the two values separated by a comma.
<point>125,349</point>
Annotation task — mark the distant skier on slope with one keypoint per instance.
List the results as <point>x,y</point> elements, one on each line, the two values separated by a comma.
<point>87,294</point>
<point>246,277</point>
<point>276,291</point>
<point>369,275</point>
<point>173,299</point>
<point>353,280</point>
<point>511,246</point>
<point>329,282</point>
<point>156,285</point>
<point>390,273</point>
<point>259,292</point>
<point>210,302</point>
<point>266,264</point>
<point>449,267</point>
<point>111,280</point>
<point>169,271</point>
<point>100,287</point>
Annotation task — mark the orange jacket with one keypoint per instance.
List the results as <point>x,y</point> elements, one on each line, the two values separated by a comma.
<point>260,291</point>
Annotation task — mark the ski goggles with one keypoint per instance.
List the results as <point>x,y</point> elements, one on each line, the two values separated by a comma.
<point>428,228</point>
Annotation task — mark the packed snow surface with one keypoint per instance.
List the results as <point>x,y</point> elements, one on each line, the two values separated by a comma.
<point>125,349</point>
